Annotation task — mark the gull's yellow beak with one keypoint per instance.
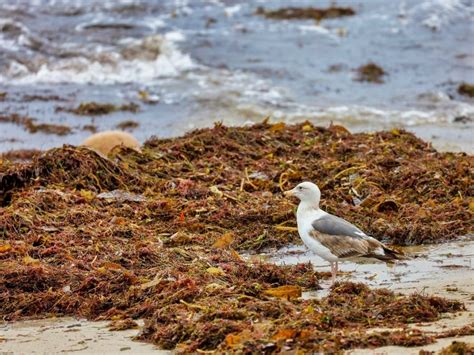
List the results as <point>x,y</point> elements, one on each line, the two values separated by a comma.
<point>288,193</point>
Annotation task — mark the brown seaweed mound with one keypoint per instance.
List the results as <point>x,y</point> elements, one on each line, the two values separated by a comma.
<point>371,73</point>
<point>31,125</point>
<point>341,320</point>
<point>128,124</point>
<point>20,155</point>
<point>458,348</point>
<point>466,89</point>
<point>307,13</point>
<point>391,184</point>
<point>95,108</point>
<point>154,235</point>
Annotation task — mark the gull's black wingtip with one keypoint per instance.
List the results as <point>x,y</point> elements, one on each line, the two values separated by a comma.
<point>392,254</point>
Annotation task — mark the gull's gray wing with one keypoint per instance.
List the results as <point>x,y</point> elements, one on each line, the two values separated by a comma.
<point>344,239</point>
<point>332,225</point>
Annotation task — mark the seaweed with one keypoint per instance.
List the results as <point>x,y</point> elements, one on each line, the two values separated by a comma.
<point>337,322</point>
<point>31,126</point>
<point>90,128</point>
<point>394,186</point>
<point>20,155</point>
<point>29,98</point>
<point>129,124</point>
<point>457,332</point>
<point>371,73</point>
<point>157,235</point>
<point>96,109</point>
<point>458,348</point>
<point>466,89</point>
<point>109,26</point>
<point>60,130</point>
<point>76,167</point>
<point>462,119</point>
<point>123,324</point>
<point>308,13</point>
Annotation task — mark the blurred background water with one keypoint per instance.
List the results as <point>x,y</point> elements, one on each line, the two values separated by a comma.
<point>189,63</point>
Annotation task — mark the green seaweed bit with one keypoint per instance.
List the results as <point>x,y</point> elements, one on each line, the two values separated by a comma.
<point>172,259</point>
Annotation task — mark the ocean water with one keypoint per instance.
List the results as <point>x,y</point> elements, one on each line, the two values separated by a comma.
<point>202,61</point>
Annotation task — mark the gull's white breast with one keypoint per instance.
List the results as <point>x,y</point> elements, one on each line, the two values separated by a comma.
<point>304,218</point>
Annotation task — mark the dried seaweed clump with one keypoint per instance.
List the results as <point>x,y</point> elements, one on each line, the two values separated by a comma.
<point>371,73</point>
<point>20,155</point>
<point>458,348</point>
<point>77,168</point>
<point>308,13</point>
<point>340,321</point>
<point>95,108</point>
<point>466,89</point>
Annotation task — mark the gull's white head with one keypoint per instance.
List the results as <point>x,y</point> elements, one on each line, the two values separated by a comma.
<point>307,192</point>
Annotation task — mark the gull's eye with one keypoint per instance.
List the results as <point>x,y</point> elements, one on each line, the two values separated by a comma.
<point>300,188</point>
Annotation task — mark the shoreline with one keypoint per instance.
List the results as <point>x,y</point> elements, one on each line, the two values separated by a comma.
<point>444,138</point>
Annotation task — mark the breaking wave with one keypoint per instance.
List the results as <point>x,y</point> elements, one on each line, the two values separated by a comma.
<point>437,14</point>
<point>131,60</point>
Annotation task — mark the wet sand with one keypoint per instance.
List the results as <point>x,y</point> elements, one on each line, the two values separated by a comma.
<point>447,137</point>
<point>444,270</point>
<point>69,335</point>
<point>428,266</point>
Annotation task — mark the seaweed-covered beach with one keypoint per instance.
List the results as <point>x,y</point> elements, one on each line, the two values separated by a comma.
<point>158,235</point>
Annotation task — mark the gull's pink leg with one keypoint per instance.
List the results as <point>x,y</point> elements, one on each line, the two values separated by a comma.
<point>333,272</point>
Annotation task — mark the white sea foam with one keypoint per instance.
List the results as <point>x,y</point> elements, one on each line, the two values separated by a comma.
<point>143,61</point>
<point>236,88</point>
<point>9,44</point>
<point>436,14</point>
<point>320,30</point>
<point>13,34</point>
<point>356,114</point>
<point>175,36</point>
<point>232,10</point>
<point>353,115</point>
<point>154,23</point>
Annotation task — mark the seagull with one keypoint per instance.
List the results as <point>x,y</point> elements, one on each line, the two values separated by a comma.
<point>331,237</point>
